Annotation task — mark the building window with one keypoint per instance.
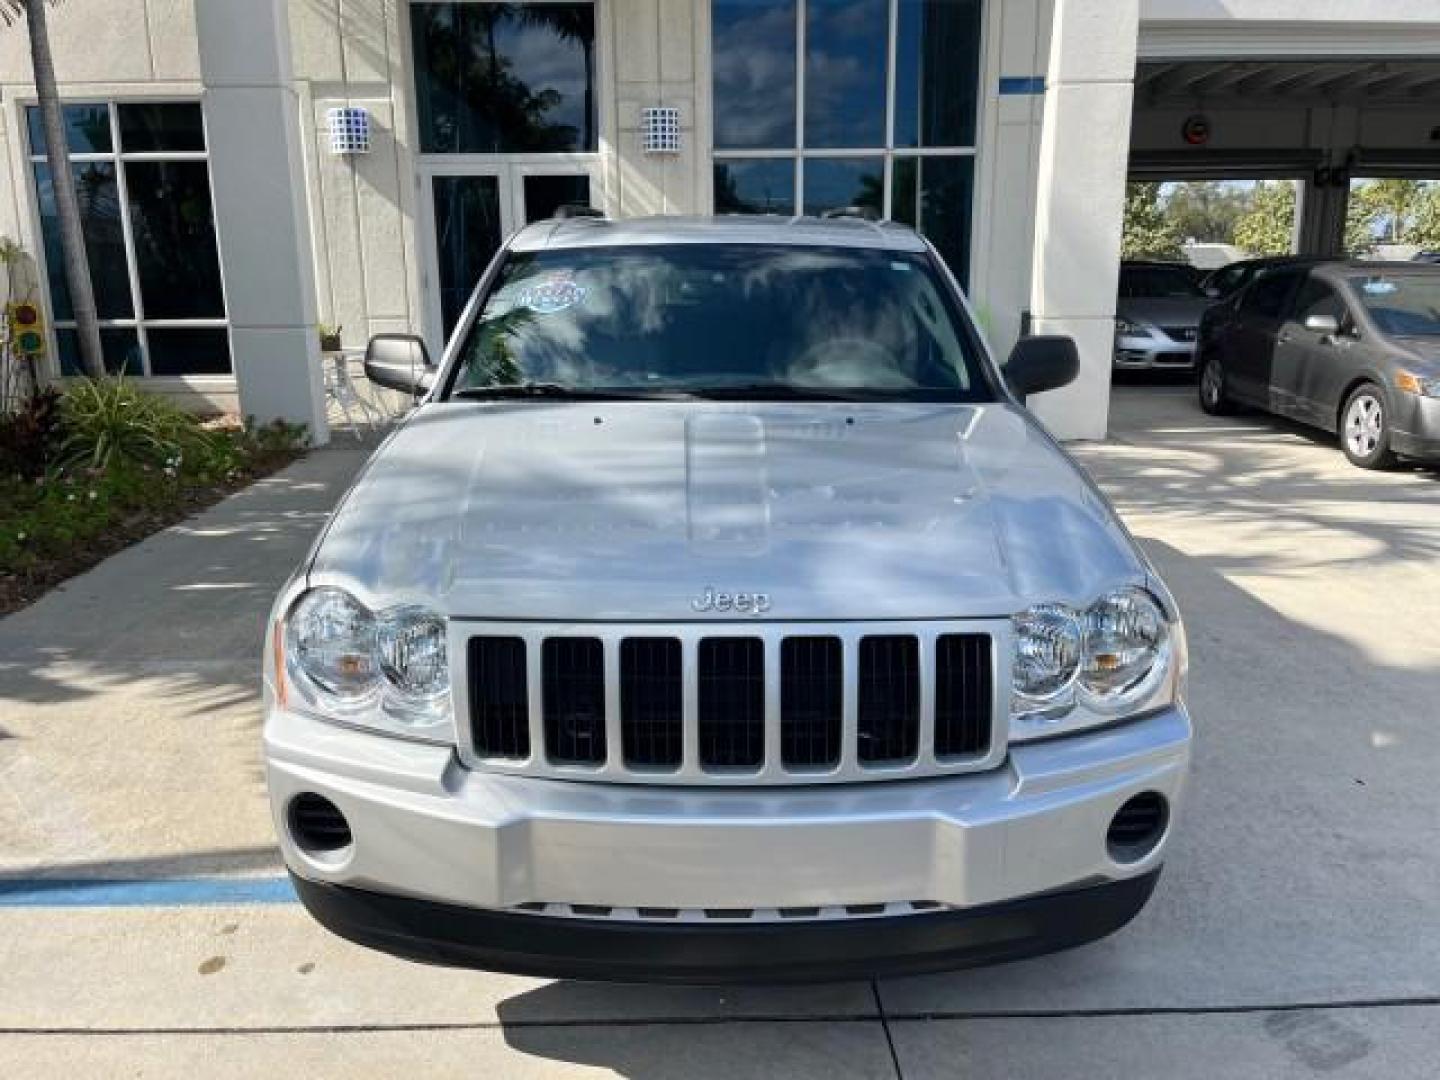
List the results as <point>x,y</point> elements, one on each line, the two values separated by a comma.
<point>825,104</point>
<point>143,182</point>
<point>493,78</point>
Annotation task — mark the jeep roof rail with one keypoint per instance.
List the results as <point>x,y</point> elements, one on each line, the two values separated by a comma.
<point>570,211</point>
<point>863,213</point>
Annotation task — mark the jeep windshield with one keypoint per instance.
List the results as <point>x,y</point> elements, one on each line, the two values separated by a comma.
<point>716,321</point>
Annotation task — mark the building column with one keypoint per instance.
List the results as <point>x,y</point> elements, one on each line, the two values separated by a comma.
<point>1084,156</point>
<point>252,117</point>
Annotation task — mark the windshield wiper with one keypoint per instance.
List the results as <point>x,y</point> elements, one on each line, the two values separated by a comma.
<point>558,391</point>
<point>779,391</point>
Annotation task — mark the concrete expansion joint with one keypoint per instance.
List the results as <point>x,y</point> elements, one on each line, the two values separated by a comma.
<point>886,1017</point>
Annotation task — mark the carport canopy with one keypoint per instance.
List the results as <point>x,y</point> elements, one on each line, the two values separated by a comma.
<point>1320,120</point>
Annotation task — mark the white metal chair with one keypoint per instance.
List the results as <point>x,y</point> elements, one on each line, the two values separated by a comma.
<point>341,392</point>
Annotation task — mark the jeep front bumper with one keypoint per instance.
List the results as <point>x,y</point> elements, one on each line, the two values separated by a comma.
<point>1006,863</point>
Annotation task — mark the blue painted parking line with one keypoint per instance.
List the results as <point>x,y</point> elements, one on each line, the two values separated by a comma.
<point>165,892</point>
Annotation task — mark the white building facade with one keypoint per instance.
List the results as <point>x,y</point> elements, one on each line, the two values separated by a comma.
<point>223,222</point>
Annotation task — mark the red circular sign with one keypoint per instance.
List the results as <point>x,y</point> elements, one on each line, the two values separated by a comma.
<point>1196,130</point>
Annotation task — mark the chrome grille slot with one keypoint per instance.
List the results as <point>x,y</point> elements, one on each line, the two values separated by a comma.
<point>499,697</point>
<point>962,695</point>
<point>889,699</point>
<point>749,702</point>
<point>811,700</point>
<point>651,715</point>
<point>731,703</point>
<point>574,700</point>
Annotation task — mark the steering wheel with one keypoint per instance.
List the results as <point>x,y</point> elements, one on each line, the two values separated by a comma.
<point>823,361</point>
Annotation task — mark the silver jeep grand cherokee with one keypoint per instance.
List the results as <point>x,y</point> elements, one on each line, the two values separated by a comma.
<point>722,614</point>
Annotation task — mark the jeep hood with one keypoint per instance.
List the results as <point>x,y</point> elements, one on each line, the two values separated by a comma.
<point>630,511</point>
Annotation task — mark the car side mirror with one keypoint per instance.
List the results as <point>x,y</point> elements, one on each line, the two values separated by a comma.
<point>1042,363</point>
<point>399,362</point>
<point>1324,325</point>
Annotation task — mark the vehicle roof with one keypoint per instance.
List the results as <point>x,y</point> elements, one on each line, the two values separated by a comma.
<point>853,232</point>
<point>1342,267</point>
<point>1283,260</point>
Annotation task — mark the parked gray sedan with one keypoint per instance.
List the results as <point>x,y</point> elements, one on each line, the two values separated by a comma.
<point>1157,316</point>
<point>1350,347</point>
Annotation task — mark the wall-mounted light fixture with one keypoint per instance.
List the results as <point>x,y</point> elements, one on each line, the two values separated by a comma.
<point>349,130</point>
<point>660,129</point>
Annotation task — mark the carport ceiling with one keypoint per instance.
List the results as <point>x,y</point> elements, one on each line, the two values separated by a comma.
<point>1298,82</point>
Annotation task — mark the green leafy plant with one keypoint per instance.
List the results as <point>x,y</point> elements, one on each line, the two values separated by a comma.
<point>67,517</point>
<point>105,420</point>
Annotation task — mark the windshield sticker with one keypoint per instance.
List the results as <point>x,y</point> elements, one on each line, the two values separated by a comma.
<point>1379,288</point>
<point>552,295</point>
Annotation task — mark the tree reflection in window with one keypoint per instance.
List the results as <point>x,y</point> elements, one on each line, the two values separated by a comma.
<point>505,78</point>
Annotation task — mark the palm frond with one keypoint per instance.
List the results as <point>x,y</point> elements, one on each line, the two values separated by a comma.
<point>12,11</point>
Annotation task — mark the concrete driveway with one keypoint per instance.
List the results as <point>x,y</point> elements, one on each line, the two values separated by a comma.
<point>1293,934</point>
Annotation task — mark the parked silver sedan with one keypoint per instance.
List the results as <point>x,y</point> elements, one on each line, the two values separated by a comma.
<point>1350,347</point>
<point>1157,316</point>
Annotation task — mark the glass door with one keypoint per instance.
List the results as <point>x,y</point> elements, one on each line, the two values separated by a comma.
<point>470,211</point>
<point>468,222</point>
<point>541,191</point>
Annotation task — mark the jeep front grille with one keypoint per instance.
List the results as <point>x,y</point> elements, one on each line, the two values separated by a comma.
<point>573,696</point>
<point>811,700</point>
<point>499,697</point>
<point>652,714</point>
<point>750,703</point>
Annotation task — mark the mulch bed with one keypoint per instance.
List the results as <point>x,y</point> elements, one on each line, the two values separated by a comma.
<point>20,589</point>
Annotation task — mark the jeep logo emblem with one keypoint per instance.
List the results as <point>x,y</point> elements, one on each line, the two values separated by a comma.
<point>744,603</point>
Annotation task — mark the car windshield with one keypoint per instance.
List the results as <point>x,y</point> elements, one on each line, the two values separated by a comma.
<point>1157,282</point>
<point>739,320</point>
<point>1406,305</point>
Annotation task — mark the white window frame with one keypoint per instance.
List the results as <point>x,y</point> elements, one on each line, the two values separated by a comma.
<point>118,156</point>
<point>799,153</point>
<point>509,168</point>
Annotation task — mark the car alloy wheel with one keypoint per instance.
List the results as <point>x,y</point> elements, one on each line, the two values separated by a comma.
<point>1365,431</point>
<point>1212,389</point>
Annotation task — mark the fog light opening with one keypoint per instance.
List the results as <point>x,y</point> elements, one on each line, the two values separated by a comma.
<point>1138,827</point>
<point>318,827</point>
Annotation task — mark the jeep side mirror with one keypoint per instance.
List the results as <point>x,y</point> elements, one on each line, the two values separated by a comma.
<point>399,362</point>
<point>1324,325</point>
<point>1042,363</point>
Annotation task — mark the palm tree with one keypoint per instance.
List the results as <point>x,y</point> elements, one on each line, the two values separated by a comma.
<point>570,23</point>
<point>67,206</point>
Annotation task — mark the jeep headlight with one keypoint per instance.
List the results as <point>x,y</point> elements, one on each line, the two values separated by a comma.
<point>387,671</point>
<point>1074,669</point>
<point>1127,328</point>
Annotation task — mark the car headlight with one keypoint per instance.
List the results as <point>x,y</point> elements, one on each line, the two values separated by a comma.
<point>1126,328</point>
<point>1424,385</point>
<point>1126,647</point>
<point>1074,669</point>
<point>1048,638</point>
<point>387,671</point>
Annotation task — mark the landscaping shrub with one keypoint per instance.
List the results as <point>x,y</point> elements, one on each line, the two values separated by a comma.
<point>28,438</point>
<point>88,471</point>
<point>108,419</point>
